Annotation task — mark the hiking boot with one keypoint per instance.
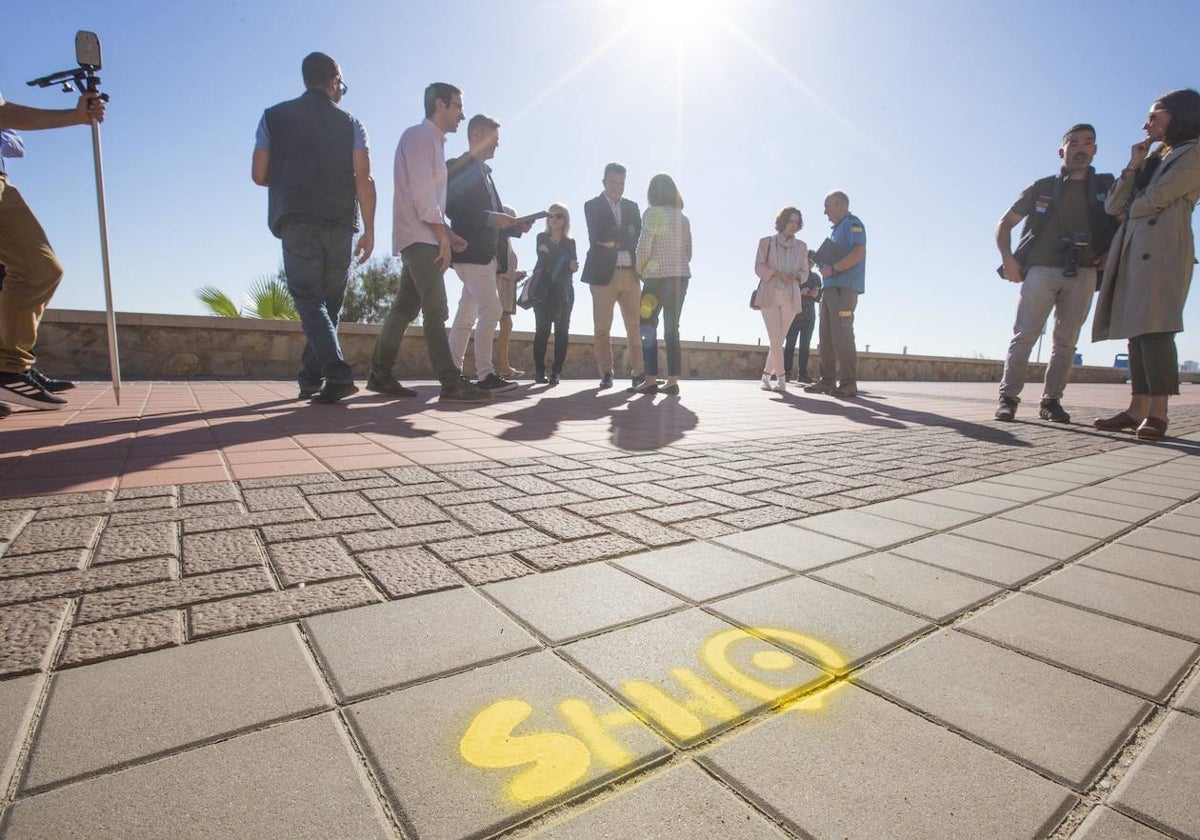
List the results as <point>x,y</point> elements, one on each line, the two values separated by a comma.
<point>22,389</point>
<point>462,390</point>
<point>334,392</point>
<point>49,383</point>
<point>1052,410</point>
<point>496,384</point>
<point>388,384</point>
<point>1006,409</point>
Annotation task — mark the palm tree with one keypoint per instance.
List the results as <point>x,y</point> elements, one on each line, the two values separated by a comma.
<point>217,302</point>
<point>268,299</point>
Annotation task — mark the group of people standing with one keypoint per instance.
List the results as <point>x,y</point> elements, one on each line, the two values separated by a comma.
<point>1128,238</point>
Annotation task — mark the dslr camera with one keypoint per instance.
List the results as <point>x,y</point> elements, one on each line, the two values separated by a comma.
<point>1070,244</point>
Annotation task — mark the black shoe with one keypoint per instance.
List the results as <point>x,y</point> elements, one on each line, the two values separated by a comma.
<point>843,393</point>
<point>1052,410</point>
<point>555,379</point>
<point>540,379</point>
<point>21,389</point>
<point>636,383</point>
<point>818,388</point>
<point>50,384</point>
<point>495,384</point>
<point>803,380</point>
<point>645,388</point>
<point>4,410</point>
<point>1006,409</point>
<point>335,391</point>
<point>669,390</point>
<point>388,384</point>
<point>606,381</point>
<point>462,390</point>
<point>307,392</point>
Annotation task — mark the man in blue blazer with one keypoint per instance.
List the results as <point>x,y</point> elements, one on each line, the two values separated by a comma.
<point>614,224</point>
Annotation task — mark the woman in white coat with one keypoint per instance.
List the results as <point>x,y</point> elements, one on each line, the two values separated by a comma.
<point>781,264</point>
<point>1149,266</point>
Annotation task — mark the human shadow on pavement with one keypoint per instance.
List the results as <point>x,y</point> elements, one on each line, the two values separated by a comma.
<point>637,422</point>
<point>651,422</point>
<point>541,419</point>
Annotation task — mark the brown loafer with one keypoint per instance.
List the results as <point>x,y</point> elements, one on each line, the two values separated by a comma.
<point>1152,429</point>
<point>1117,423</point>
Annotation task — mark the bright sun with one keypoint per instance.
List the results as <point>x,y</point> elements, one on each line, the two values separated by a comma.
<point>684,17</point>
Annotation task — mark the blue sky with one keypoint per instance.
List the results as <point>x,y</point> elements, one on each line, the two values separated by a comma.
<point>932,116</point>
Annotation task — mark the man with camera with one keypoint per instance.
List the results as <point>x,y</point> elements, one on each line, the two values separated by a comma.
<point>1063,242</point>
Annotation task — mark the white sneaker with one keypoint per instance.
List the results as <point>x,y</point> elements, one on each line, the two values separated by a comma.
<point>766,382</point>
<point>781,386</point>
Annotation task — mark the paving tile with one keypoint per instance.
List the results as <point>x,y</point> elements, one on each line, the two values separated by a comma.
<point>246,520</point>
<point>575,552</point>
<point>208,492</point>
<point>241,613</point>
<point>300,780</point>
<point>574,602</point>
<point>1189,698</point>
<point>1070,521</point>
<point>700,571</point>
<point>1160,786</point>
<point>1168,542</point>
<point>35,587</point>
<point>645,531</point>
<point>102,606</point>
<point>706,529</point>
<point>930,592</point>
<point>1129,560</point>
<point>411,511</point>
<point>386,646</point>
<point>78,532</point>
<point>331,505</point>
<point>1004,490</point>
<point>311,560</point>
<point>217,551</point>
<point>862,527</point>
<point>1126,497</point>
<point>859,766</point>
<point>135,542</point>
<point>180,514</point>
<point>273,498</point>
<point>1121,654</point>
<point>324,528</point>
<point>1106,824</point>
<point>692,675</point>
<point>485,517</point>
<point>1022,536</point>
<point>1098,507</point>
<point>466,548</point>
<point>407,571</point>
<point>481,570</point>
<point>1149,604</point>
<point>122,636</point>
<point>18,700</point>
<point>854,627</point>
<point>1130,484</point>
<point>792,547</point>
<point>1179,523</point>
<point>68,559</point>
<point>562,524</point>
<point>982,560</point>
<point>102,716</point>
<point>916,512</point>
<point>1056,722</point>
<point>1037,482</point>
<point>11,521</point>
<point>760,517</point>
<point>400,537</point>
<point>542,500</point>
<point>682,801</point>
<point>451,754</point>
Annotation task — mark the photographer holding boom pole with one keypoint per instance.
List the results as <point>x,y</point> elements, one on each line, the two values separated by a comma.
<point>32,270</point>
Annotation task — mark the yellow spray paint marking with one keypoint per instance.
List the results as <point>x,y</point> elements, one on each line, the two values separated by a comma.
<point>815,700</point>
<point>715,655</point>
<point>558,760</point>
<point>591,728</point>
<point>681,719</point>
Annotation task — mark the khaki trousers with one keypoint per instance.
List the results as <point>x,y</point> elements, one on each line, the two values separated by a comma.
<point>625,291</point>
<point>839,358</point>
<point>32,274</point>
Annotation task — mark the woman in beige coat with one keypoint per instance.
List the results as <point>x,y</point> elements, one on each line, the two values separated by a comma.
<point>1149,265</point>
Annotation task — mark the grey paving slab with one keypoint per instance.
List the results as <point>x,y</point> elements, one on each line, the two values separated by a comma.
<point>680,802</point>
<point>574,602</point>
<point>1004,490</point>
<point>468,755</point>
<point>984,560</point>
<point>1106,824</point>
<point>692,675</point>
<point>1189,698</point>
<point>101,716</point>
<point>17,701</point>
<point>792,547</point>
<point>865,528</point>
<point>700,571</point>
<point>1122,496</point>
<point>1169,542</point>
<point>854,627</point>
<point>1037,482</point>
<point>1053,720</point>
<point>300,780</point>
<point>1122,654</point>
<point>28,633</point>
<point>385,646</point>
<point>917,512</point>
<point>1141,563</point>
<point>1098,507</point>
<point>1022,536</point>
<point>1130,484</point>
<point>933,593</point>
<point>860,766</point>
<point>1180,523</point>
<point>1177,479</point>
<point>1149,604</point>
<point>956,498</point>
<point>1070,521</point>
<point>1160,786</point>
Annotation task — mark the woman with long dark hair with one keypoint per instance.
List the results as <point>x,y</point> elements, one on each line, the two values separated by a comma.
<point>556,262</point>
<point>1149,266</point>
<point>664,252</point>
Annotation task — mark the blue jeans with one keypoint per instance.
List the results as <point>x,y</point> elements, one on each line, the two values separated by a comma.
<point>663,295</point>
<point>316,262</point>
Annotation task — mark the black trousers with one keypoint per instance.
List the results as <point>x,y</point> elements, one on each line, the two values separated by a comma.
<point>799,337</point>
<point>546,317</point>
<point>1154,364</point>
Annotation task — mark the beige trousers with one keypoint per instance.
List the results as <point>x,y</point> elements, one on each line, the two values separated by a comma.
<point>625,291</point>
<point>32,273</point>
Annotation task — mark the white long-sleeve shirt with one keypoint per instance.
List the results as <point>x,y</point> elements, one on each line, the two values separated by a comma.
<point>419,200</point>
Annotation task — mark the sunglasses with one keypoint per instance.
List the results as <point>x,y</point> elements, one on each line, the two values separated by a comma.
<point>555,216</point>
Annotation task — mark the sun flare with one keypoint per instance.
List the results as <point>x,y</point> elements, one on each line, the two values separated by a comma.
<point>686,17</point>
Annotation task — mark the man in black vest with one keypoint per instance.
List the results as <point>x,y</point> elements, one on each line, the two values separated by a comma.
<point>314,160</point>
<point>1064,240</point>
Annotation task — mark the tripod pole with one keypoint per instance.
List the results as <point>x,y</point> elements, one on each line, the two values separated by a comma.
<point>114,362</point>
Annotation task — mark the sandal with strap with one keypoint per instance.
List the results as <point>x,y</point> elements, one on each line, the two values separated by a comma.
<point>1117,423</point>
<point>1152,429</point>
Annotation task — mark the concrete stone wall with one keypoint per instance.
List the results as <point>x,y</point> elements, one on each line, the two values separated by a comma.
<point>73,343</point>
